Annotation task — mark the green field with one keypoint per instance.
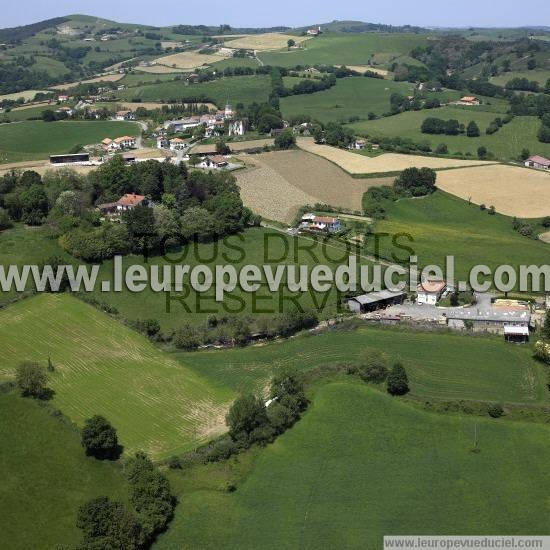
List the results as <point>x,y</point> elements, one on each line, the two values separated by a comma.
<point>45,477</point>
<point>360,465</point>
<point>20,246</point>
<point>24,114</point>
<point>351,97</point>
<point>439,365</point>
<point>238,89</point>
<point>471,235</point>
<point>34,140</point>
<point>346,49</point>
<point>235,62</point>
<point>507,143</point>
<point>103,367</point>
<point>540,76</point>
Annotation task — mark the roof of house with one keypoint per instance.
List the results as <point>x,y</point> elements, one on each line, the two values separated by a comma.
<point>431,286</point>
<point>468,98</point>
<point>325,219</point>
<point>218,159</point>
<point>539,160</point>
<point>130,199</point>
<point>106,141</point>
<point>517,331</point>
<point>123,112</point>
<point>501,315</point>
<point>373,297</point>
<point>123,138</point>
<point>177,140</point>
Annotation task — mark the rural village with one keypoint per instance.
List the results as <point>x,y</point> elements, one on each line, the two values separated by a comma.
<point>298,418</point>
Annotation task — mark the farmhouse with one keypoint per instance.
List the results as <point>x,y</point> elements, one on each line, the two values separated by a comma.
<point>512,323</point>
<point>375,300</point>
<point>214,162</point>
<point>162,142</point>
<point>468,100</point>
<point>320,223</point>
<point>125,203</point>
<point>63,98</point>
<point>358,144</point>
<point>124,142</point>
<point>538,162</point>
<point>429,292</point>
<point>313,32</point>
<point>177,144</point>
<point>125,115</point>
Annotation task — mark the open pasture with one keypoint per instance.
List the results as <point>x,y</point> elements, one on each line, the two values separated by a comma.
<point>507,143</point>
<point>97,79</point>
<point>187,60</point>
<point>27,95</point>
<point>540,76</point>
<point>277,184</point>
<point>512,190</point>
<point>266,41</point>
<point>351,98</point>
<point>354,163</point>
<point>103,367</point>
<point>238,89</point>
<point>346,49</point>
<point>46,477</point>
<point>361,464</point>
<point>22,141</point>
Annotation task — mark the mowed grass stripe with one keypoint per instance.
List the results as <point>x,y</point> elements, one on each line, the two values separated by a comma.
<point>103,367</point>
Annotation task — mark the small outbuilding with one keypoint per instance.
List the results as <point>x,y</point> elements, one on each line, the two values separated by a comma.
<point>375,300</point>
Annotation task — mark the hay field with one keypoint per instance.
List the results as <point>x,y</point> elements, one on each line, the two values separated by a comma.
<point>104,78</point>
<point>387,162</point>
<point>102,367</point>
<point>364,68</point>
<point>277,184</point>
<point>512,190</point>
<point>159,69</point>
<point>187,60</point>
<point>27,95</point>
<point>545,237</point>
<point>267,41</point>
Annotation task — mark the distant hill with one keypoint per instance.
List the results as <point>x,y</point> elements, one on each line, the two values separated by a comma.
<point>361,26</point>
<point>15,34</point>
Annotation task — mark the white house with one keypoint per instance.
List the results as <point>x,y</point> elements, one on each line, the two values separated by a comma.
<point>177,144</point>
<point>358,144</point>
<point>237,128</point>
<point>537,161</point>
<point>125,203</point>
<point>214,162</point>
<point>429,292</point>
<point>313,32</point>
<point>320,223</point>
<point>125,115</point>
<point>124,142</point>
<point>162,142</point>
<point>468,100</point>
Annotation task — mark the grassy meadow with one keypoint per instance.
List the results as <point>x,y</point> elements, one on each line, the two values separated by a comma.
<point>351,97</point>
<point>507,143</point>
<point>35,139</point>
<point>541,76</point>
<point>361,464</point>
<point>239,89</point>
<point>468,233</point>
<point>46,477</point>
<point>346,49</point>
<point>439,365</point>
<point>103,367</point>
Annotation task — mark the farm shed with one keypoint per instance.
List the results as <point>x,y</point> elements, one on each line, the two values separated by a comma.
<point>375,300</point>
<point>492,320</point>
<point>65,159</point>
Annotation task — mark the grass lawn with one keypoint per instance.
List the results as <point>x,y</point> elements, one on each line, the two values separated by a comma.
<point>439,365</point>
<point>235,62</point>
<point>103,367</point>
<point>361,465</point>
<point>24,114</point>
<point>345,49</point>
<point>238,89</point>
<point>46,477</point>
<point>351,97</point>
<point>34,140</point>
<point>471,235</point>
<point>139,78</point>
<point>507,143</point>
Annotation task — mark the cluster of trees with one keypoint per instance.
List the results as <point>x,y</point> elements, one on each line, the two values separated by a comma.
<point>523,84</point>
<point>240,330</point>
<point>375,370</point>
<point>250,421</point>
<point>100,439</point>
<point>498,123</point>
<point>411,182</point>
<point>195,206</point>
<point>108,524</point>
<point>432,125</point>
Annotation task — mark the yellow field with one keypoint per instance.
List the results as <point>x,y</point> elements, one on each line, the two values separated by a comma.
<point>28,95</point>
<point>512,190</point>
<point>364,68</point>
<point>387,162</point>
<point>275,185</point>
<point>104,78</point>
<point>267,41</point>
<point>158,69</point>
<point>186,60</point>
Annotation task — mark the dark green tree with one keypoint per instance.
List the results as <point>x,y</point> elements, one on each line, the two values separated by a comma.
<point>31,379</point>
<point>472,129</point>
<point>397,382</point>
<point>99,438</point>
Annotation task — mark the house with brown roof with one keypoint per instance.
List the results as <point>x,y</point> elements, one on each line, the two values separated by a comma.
<point>125,203</point>
<point>313,222</point>
<point>468,100</point>
<point>124,115</point>
<point>429,292</point>
<point>213,162</point>
<point>539,162</point>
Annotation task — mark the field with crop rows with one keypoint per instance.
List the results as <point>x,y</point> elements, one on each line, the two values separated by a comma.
<point>512,190</point>
<point>266,41</point>
<point>103,367</point>
<point>388,162</point>
<point>187,60</point>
